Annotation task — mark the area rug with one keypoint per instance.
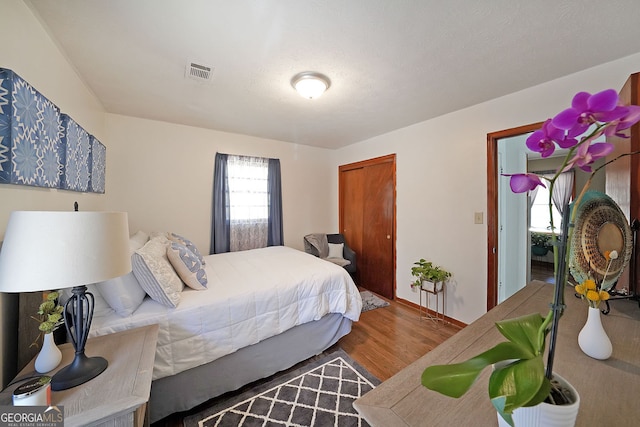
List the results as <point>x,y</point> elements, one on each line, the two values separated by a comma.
<point>319,393</point>
<point>370,301</point>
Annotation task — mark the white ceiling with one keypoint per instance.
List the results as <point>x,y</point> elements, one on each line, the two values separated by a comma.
<point>392,63</point>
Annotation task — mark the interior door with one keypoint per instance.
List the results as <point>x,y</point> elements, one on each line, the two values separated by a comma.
<point>367,220</point>
<point>378,272</point>
<point>352,208</point>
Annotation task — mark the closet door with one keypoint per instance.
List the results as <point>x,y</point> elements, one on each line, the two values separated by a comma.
<point>367,219</point>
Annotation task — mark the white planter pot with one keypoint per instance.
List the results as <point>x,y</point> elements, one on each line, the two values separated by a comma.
<point>431,287</point>
<point>545,414</point>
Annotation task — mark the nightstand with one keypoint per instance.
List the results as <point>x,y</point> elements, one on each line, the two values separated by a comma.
<point>120,394</point>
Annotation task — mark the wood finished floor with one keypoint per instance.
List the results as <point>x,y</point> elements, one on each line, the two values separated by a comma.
<point>384,341</point>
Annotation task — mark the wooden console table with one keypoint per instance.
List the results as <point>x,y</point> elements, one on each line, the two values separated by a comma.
<point>608,389</point>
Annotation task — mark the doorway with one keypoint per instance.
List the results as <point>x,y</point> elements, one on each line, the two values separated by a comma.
<point>367,212</point>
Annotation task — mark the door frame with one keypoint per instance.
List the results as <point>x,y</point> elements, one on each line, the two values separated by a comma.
<point>492,206</point>
<point>389,158</point>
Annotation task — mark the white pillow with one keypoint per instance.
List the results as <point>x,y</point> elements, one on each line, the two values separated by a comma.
<point>123,294</point>
<point>188,266</point>
<point>100,306</point>
<point>336,250</point>
<point>155,273</point>
<point>137,241</point>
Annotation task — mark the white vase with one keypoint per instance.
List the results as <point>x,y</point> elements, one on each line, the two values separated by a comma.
<point>50,355</point>
<point>593,339</point>
<point>545,414</point>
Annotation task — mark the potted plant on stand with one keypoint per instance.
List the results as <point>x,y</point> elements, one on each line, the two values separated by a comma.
<point>521,383</point>
<point>540,243</point>
<point>428,276</point>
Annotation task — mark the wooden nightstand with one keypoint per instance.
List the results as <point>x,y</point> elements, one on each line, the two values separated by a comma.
<point>118,396</point>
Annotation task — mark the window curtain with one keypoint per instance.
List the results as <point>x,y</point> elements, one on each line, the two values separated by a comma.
<point>247,203</point>
<point>562,191</point>
<point>221,222</point>
<point>275,233</point>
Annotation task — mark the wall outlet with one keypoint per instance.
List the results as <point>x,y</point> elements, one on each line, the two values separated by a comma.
<point>477,218</point>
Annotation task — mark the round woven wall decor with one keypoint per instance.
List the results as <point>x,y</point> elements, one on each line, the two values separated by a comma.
<point>600,226</point>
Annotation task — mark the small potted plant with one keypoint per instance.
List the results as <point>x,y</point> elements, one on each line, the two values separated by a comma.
<point>429,276</point>
<point>540,243</point>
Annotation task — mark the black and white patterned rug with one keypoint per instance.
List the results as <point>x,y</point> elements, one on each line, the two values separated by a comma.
<point>319,393</point>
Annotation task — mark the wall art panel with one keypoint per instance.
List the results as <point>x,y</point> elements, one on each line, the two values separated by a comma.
<point>98,165</point>
<point>77,146</point>
<point>31,148</point>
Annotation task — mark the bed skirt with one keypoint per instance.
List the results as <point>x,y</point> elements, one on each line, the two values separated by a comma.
<point>190,388</point>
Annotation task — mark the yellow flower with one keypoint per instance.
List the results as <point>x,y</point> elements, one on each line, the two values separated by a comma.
<point>581,289</point>
<point>604,295</point>
<point>593,296</point>
<point>590,284</point>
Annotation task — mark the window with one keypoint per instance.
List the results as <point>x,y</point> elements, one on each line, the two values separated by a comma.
<point>247,203</point>
<point>540,212</point>
<point>248,189</point>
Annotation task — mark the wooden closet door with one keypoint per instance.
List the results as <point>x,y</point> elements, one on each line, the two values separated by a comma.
<point>378,263</point>
<point>367,220</point>
<point>351,185</point>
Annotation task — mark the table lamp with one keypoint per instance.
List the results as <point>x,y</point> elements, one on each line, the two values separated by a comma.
<point>53,250</point>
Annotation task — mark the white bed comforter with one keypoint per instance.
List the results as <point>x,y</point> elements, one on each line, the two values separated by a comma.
<point>251,296</point>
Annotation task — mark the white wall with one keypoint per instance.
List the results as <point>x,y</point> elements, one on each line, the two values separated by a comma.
<point>29,51</point>
<point>162,175</point>
<point>441,179</point>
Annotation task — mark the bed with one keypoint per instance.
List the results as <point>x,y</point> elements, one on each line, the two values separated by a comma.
<point>261,311</point>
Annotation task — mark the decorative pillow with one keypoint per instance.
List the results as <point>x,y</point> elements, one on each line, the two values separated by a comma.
<point>123,294</point>
<point>100,306</point>
<point>188,243</point>
<point>187,265</point>
<point>336,250</point>
<point>137,241</point>
<point>155,273</point>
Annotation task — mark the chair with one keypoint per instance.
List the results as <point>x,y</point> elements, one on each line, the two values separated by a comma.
<point>317,244</point>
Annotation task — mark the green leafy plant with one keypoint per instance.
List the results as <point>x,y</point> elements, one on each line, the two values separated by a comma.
<point>424,270</point>
<point>520,377</point>
<point>49,315</point>
<point>542,240</point>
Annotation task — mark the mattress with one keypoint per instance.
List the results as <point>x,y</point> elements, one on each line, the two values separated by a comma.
<point>251,296</point>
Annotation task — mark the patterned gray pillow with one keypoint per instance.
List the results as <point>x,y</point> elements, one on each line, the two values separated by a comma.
<point>155,273</point>
<point>187,265</point>
<point>189,244</point>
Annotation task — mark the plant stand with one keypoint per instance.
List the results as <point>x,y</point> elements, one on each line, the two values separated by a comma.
<point>436,316</point>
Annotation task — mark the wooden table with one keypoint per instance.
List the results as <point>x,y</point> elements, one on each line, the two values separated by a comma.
<point>116,397</point>
<point>609,390</point>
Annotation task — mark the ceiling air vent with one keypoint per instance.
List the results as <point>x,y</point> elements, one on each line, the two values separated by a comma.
<point>199,72</point>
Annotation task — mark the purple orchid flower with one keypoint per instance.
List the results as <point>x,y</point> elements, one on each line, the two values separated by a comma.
<point>631,118</point>
<point>589,153</point>
<point>523,182</point>
<point>542,140</point>
<point>587,109</point>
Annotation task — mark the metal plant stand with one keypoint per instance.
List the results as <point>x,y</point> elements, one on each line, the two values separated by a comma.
<point>436,316</point>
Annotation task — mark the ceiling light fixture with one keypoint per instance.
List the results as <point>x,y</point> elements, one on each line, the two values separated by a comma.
<point>310,84</point>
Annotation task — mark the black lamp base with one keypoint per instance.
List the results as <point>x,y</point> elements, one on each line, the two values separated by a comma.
<point>81,370</point>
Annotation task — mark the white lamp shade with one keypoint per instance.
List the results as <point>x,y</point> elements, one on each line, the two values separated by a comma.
<point>54,250</point>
